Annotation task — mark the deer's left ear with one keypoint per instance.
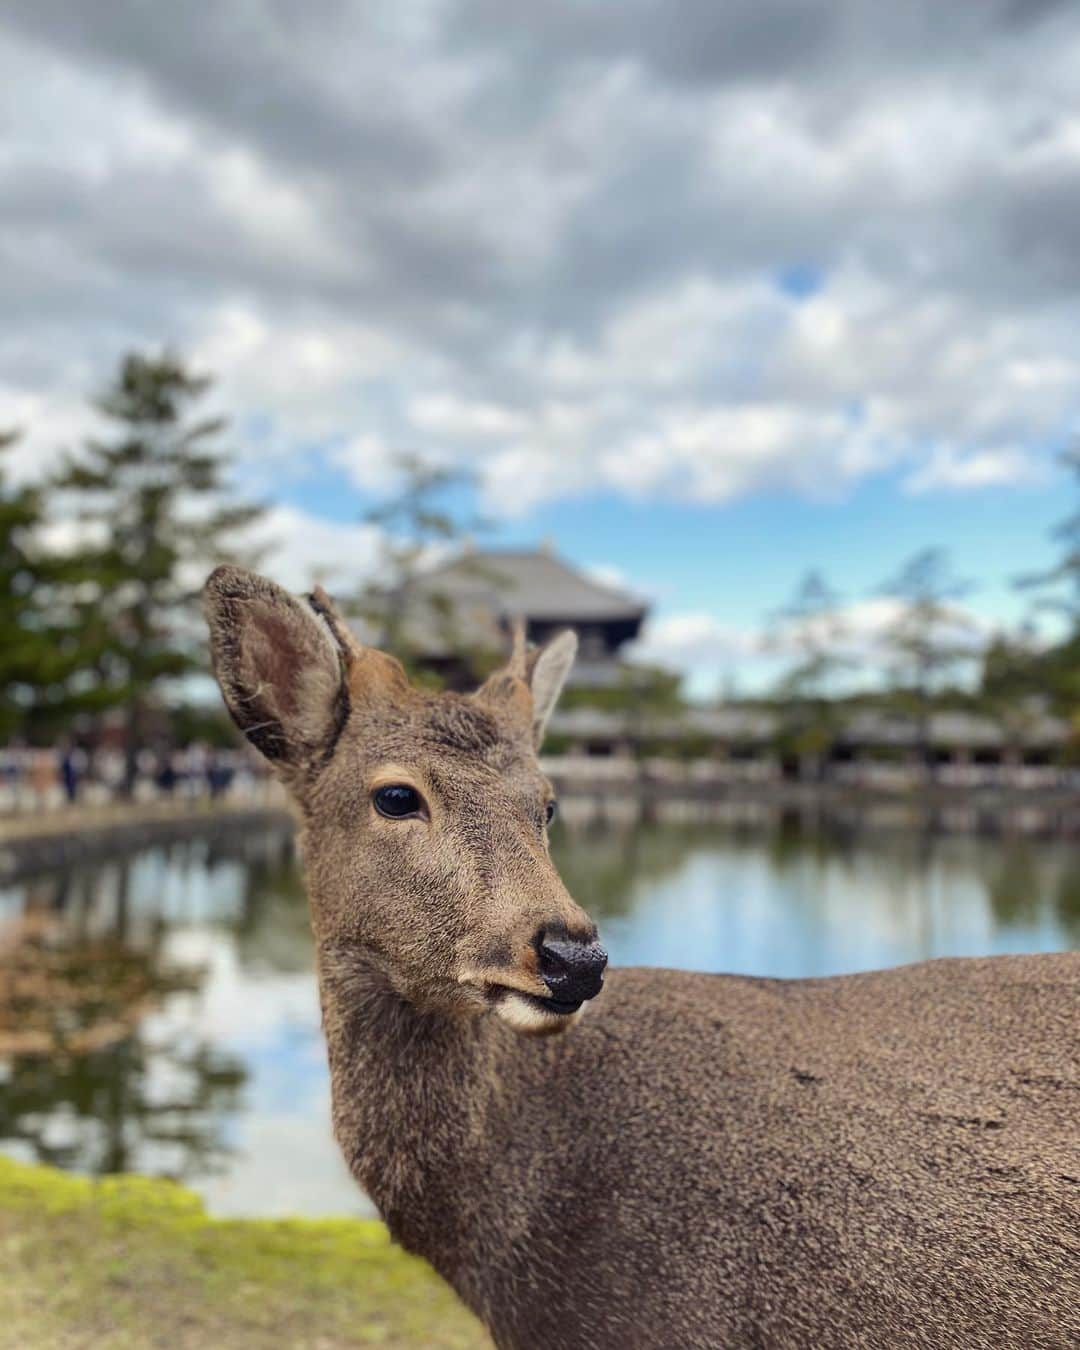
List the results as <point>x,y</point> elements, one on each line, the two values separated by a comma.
<point>545,672</point>
<point>281,663</point>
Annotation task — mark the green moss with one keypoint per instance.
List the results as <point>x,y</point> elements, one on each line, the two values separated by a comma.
<point>126,1262</point>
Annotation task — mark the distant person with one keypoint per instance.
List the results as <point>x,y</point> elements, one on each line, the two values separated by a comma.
<point>69,772</point>
<point>166,775</point>
<point>219,775</point>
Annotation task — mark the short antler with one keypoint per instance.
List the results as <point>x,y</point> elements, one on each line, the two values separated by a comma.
<point>325,608</point>
<point>516,664</point>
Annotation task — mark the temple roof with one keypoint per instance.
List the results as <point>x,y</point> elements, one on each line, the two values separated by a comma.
<point>535,583</point>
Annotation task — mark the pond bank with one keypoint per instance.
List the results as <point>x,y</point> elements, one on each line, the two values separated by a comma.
<point>592,794</point>
<point>29,843</point>
<point>126,1262</point>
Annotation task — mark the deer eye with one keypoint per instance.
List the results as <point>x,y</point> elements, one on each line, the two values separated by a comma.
<point>398,801</point>
<point>551,811</point>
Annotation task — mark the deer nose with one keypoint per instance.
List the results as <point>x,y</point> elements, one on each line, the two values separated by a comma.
<point>572,969</point>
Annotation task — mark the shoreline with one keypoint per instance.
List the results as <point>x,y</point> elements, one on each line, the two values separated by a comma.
<point>925,809</point>
<point>33,843</point>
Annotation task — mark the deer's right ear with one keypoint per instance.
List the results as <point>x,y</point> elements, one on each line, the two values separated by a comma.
<point>280,666</point>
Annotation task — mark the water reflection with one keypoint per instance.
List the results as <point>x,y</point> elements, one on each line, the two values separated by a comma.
<point>193,968</point>
<point>159,1013</point>
<point>132,1106</point>
<point>791,902</point>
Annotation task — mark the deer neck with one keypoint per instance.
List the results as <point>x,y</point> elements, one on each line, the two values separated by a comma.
<point>411,1094</point>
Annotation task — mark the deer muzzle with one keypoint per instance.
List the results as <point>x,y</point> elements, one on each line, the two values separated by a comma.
<point>572,969</point>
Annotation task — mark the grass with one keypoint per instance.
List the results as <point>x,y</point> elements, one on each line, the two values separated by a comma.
<point>125,1262</point>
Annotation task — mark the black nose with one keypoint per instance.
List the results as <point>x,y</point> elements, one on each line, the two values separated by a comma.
<point>573,970</point>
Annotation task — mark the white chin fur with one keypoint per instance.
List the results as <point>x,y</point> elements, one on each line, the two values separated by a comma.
<point>524,1016</point>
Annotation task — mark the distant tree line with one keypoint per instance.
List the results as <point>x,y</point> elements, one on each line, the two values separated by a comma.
<point>101,561</point>
<point>927,641</point>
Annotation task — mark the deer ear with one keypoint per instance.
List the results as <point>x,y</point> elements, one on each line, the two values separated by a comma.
<point>546,672</point>
<point>280,664</point>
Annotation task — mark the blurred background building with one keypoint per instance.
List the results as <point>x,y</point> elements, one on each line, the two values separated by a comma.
<point>469,603</point>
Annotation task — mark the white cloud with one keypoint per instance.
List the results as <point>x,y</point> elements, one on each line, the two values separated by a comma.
<point>48,426</point>
<point>710,653</point>
<point>697,644</point>
<point>614,577</point>
<point>302,549</point>
<point>369,462</point>
<point>554,253</point>
<point>712,455</point>
<point>458,419</point>
<point>522,477</point>
<point>948,471</point>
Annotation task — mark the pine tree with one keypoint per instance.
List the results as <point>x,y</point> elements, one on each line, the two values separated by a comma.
<point>27,652</point>
<point>1014,686</point>
<point>1059,592</point>
<point>1060,585</point>
<point>155,506</point>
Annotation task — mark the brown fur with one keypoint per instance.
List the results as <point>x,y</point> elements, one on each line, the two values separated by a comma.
<point>878,1160</point>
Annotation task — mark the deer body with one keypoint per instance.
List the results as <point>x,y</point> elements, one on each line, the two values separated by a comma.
<point>876,1160</point>
<point>879,1160</point>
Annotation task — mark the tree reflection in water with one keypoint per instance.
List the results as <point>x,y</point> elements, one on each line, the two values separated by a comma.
<point>127,1107</point>
<point>85,1083</point>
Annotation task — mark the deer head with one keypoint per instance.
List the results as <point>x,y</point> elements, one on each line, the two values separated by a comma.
<point>425,815</point>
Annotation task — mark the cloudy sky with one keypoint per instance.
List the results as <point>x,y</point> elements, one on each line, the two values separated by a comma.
<point>708,293</point>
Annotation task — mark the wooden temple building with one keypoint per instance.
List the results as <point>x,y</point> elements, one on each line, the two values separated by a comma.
<point>469,604</point>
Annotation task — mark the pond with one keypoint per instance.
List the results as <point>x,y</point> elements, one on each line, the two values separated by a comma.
<point>158,1012</point>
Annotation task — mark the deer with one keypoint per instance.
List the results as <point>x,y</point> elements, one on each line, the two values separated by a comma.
<point>639,1157</point>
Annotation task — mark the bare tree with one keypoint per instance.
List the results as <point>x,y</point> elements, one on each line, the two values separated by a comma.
<point>811,624</point>
<point>419,525</point>
<point>930,636</point>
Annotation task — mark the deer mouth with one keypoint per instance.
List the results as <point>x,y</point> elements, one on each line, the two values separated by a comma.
<point>564,1007</point>
<point>532,1013</point>
<point>500,993</point>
